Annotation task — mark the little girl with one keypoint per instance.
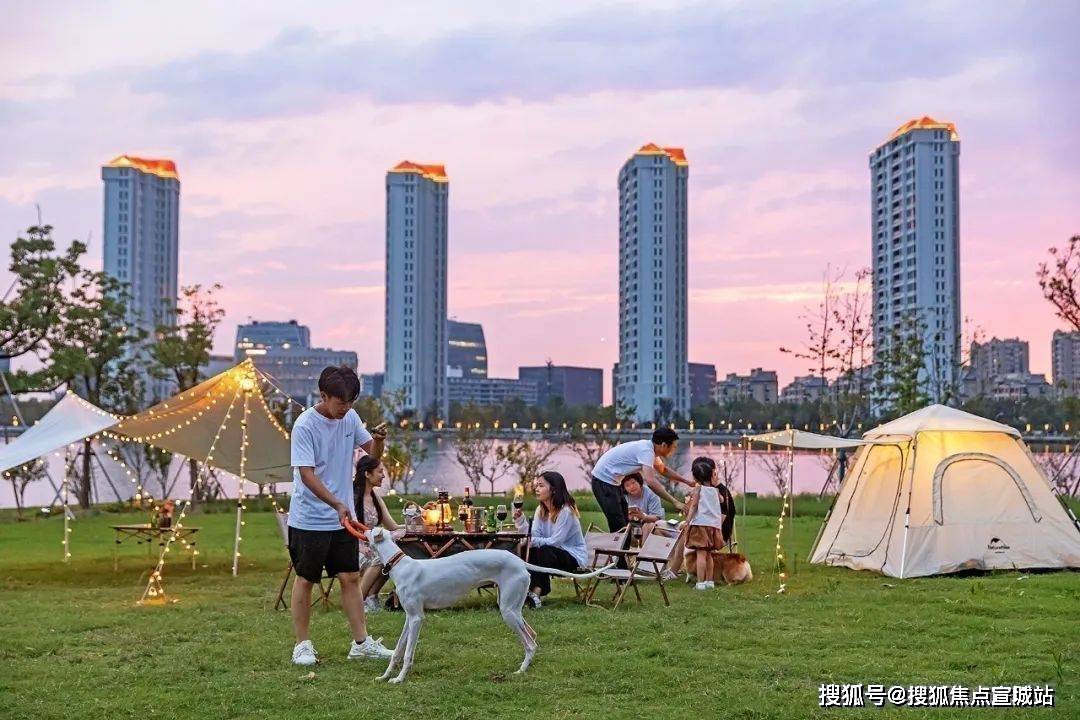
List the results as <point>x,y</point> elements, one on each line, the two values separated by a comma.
<point>706,518</point>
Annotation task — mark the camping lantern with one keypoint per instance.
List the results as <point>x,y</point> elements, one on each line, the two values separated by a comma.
<point>431,516</point>
<point>445,514</point>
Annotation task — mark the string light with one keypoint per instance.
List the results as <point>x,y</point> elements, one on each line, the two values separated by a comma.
<point>64,501</point>
<point>247,385</point>
<point>781,564</point>
<point>154,591</point>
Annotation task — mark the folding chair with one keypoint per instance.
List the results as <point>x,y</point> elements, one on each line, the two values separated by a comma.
<point>645,564</point>
<point>324,591</point>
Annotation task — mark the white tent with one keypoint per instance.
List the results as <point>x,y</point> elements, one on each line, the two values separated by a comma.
<point>941,491</point>
<point>209,423</point>
<point>68,421</point>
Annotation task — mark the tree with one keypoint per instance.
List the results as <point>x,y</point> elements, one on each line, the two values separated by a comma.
<point>475,452</point>
<point>775,465</point>
<point>1059,281</point>
<point>183,348</point>
<point>20,477</point>
<point>589,443</point>
<point>94,349</point>
<point>900,367</point>
<point>40,276</point>
<point>404,449</point>
<point>525,457</point>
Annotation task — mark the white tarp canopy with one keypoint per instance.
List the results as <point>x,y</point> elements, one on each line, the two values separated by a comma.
<point>939,491</point>
<point>805,440</point>
<point>207,423</point>
<point>70,420</point>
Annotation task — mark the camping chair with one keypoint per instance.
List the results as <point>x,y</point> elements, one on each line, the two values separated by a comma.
<point>645,564</point>
<point>324,591</point>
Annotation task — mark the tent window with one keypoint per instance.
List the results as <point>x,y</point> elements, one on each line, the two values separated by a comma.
<point>976,487</point>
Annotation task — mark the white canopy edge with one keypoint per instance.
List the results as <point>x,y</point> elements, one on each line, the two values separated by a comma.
<point>68,421</point>
<point>805,440</point>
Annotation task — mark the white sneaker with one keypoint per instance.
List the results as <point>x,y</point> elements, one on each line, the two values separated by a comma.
<point>534,601</point>
<point>304,653</point>
<point>372,606</point>
<point>711,584</point>
<point>370,649</point>
<point>701,586</point>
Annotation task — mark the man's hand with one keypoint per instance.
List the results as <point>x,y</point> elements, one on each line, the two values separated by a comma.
<point>379,431</point>
<point>342,513</point>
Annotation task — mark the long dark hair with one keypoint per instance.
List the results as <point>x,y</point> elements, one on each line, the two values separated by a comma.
<point>361,492</point>
<point>560,496</point>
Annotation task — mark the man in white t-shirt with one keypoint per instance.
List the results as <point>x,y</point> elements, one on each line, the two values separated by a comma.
<point>324,439</point>
<point>644,456</point>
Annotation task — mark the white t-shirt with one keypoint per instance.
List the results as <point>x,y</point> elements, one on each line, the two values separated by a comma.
<point>709,508</point>
<point>622,459</point>
<point>328,446</point>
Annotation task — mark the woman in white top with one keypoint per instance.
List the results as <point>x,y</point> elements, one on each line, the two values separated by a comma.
<point>557,541</point>
<point>370,510</point>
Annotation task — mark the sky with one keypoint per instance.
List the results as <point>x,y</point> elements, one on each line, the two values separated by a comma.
<point>283,123</point>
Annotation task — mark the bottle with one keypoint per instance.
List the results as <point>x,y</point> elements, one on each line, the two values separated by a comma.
<point>492,526</point>
<point>468,498</point>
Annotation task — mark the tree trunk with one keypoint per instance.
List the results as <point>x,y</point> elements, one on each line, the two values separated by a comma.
<point>193,474</point>
<point>82,492</point>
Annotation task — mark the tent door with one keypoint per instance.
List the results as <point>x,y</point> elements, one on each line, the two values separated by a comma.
<point>980,488</point>
<point>870,510</point>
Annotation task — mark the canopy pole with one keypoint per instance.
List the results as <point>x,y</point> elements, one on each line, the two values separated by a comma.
<point>791,505</point>
<point>64,500</point>
<point>745,450</point>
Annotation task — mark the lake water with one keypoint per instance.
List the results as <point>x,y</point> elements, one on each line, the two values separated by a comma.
<point>441,470</point>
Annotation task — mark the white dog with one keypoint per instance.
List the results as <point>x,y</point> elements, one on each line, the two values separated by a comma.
<point>440,582</point>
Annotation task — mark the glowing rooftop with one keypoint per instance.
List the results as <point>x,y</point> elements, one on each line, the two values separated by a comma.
<point>925,123</point>
<point>161,168</point>
<point>431,172</point>
<point>677,155</point>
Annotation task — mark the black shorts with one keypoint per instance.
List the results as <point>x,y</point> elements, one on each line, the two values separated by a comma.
<point>312,550</point>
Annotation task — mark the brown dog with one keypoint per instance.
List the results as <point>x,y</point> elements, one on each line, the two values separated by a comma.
<point>732,568</point>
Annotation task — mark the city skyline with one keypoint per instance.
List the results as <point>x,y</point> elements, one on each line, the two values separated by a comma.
<point>287,172</point>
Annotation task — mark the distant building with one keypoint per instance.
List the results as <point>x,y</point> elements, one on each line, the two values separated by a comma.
<point>1065,351</point>
<point>466,353</point>
<point>760,385</point>
<point>1019,386</point>
<point>702,383</point>
<point>141,235</point>
<point>490,391</point>
<point>804,389</point>
<point>571,385</point>
<point>283,351</point>
<point>915,242</point>
<point>996,358</point>
<point>417,217</point>
<point>371,384</point>
<point>652,372</point>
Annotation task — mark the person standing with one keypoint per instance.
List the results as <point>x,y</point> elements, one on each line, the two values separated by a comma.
<point>644,456</point>
<point>705,517</point>
<point>324,439</point>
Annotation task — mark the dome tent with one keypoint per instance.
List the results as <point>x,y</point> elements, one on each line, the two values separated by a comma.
<point>940,491</point>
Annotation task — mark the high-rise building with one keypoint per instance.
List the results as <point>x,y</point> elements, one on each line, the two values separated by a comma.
<point>652,371</point>
<point>569,385</point>
<point>1065,352</point>
<point>702,383</point>
<point>466,354</point>
<point>490,391</point>
<point>142,220</point>
<point>915,227</point>
<point>417,205</point>
<point>371,384</point>
<point>996,358</point>
<point>283,351</point>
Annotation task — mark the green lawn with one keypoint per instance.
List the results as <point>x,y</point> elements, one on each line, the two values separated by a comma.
<point>73,643</point>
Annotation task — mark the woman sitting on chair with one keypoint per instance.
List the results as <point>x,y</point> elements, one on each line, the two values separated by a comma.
<point>370,510</point>
<point>556,540</point>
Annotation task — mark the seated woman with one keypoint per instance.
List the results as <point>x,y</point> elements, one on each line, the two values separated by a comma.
<point>643,504</point>
<point>557,541</point>
<point>370,510</point>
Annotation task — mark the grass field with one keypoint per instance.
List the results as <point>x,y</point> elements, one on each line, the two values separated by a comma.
<point>73,643</point>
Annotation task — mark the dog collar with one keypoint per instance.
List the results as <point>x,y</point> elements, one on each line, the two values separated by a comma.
<point>393,561</point>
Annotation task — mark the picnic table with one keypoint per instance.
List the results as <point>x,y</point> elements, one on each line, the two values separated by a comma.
<point>149,534</point>
<point>440,544</point>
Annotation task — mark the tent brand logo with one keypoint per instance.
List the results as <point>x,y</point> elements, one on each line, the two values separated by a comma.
<point>997,545</point>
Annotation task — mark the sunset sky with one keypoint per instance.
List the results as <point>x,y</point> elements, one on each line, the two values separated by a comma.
<point>283,123</point>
